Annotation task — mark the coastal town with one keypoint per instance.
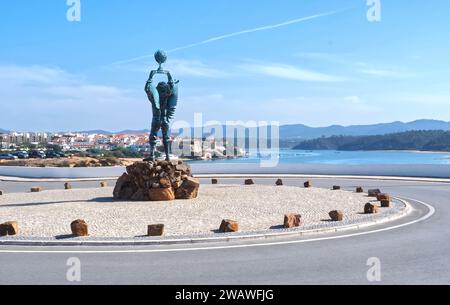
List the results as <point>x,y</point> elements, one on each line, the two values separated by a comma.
<point>135,143</point>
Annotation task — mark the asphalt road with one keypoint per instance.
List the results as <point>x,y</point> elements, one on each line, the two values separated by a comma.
<point>413,254</point>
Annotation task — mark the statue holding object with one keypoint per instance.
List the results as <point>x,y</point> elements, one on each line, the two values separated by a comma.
<point>164,99</point>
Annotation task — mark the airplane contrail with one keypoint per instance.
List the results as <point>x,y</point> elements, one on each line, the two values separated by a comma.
<point>226,36</point>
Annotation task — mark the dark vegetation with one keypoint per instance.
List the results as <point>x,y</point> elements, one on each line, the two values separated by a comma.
<point>431,140</point>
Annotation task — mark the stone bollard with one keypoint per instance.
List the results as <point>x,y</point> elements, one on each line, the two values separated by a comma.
<point>385,203</point>
<point>188,189</point>
<point>67,186</point>
<point>292,220</point>
<point>214,181</point>
<point>79,228</point>
<point>9,228</point>
<point>155,230</point>
<point>336,188</point>
<point>279,182</point>
<point>36,189</point>
<point>103,184</point>
<point>374,192</point>
<point>336,215</point>
<point>359,189</point>
<point>249,182</point>
<point>381,197</point>
<point>308,184</point>
<point>370,209</point>
<point>229,226</point>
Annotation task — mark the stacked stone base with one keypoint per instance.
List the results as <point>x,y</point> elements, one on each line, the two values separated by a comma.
<point>157,181</point>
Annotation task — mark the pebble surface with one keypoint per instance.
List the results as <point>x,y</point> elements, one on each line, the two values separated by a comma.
<point>256,208</point>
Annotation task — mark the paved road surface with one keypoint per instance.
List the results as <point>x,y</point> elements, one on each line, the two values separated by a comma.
<point>414,254</point>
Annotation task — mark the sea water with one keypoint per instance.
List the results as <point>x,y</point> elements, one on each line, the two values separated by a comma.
<point>287,156</point>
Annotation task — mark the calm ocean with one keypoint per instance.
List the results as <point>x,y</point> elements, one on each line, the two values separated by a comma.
<point>350,157</point>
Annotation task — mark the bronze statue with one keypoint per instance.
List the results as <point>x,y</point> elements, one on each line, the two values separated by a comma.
<point>164,98</point>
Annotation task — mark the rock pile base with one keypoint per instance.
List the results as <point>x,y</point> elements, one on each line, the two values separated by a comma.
<point>157,181</point>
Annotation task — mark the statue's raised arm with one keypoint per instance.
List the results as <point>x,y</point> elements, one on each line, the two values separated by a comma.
<point>149,82</point>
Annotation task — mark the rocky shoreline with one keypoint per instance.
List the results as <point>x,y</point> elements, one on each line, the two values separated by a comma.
<point>71,162</point>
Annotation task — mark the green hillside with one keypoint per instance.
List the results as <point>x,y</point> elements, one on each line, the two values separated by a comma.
<point>434,140</point>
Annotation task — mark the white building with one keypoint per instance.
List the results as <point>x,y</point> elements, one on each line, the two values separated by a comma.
<point>16,138</point>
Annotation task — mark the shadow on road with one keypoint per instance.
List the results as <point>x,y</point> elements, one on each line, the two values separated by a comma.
<point>30,204</point>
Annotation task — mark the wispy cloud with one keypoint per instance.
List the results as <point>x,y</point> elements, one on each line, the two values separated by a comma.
<point>194,68</point>
<point>214,97</point>
<point>239,33</point>
<point>382,70</point>
<point>311,110</point>
<point>324,102</point>
<point>12,74</point>
<point>360,67</point>
<point>183,67</point>
<point>47,98</point>
<point>354,100</point>
<point>389,73</point>
<point>437,99</point>
<point>315,110</point>
<point>289,72</point>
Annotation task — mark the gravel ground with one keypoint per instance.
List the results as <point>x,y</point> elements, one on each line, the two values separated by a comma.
<point>257,208</point>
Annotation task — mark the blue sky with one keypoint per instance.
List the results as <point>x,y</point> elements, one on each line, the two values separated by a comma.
<point>334,69</point>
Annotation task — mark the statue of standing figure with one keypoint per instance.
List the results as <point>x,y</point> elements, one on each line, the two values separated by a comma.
<point>164,99</point>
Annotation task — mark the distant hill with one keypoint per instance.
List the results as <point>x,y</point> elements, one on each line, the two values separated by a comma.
<point>96,131</point>
<point>305,132</point>
<point>294,133</point>
<point>425,140</point>
<point>135,131</point>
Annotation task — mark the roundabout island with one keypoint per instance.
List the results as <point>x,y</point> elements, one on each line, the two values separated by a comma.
<point>406,237</point>
<point>163,200</point>
<point>258,209</point>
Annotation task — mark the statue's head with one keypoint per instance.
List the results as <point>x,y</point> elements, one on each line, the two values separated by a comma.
<point>164,90</point>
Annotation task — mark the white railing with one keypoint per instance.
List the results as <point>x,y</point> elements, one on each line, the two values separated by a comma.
<point>425,171</point>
